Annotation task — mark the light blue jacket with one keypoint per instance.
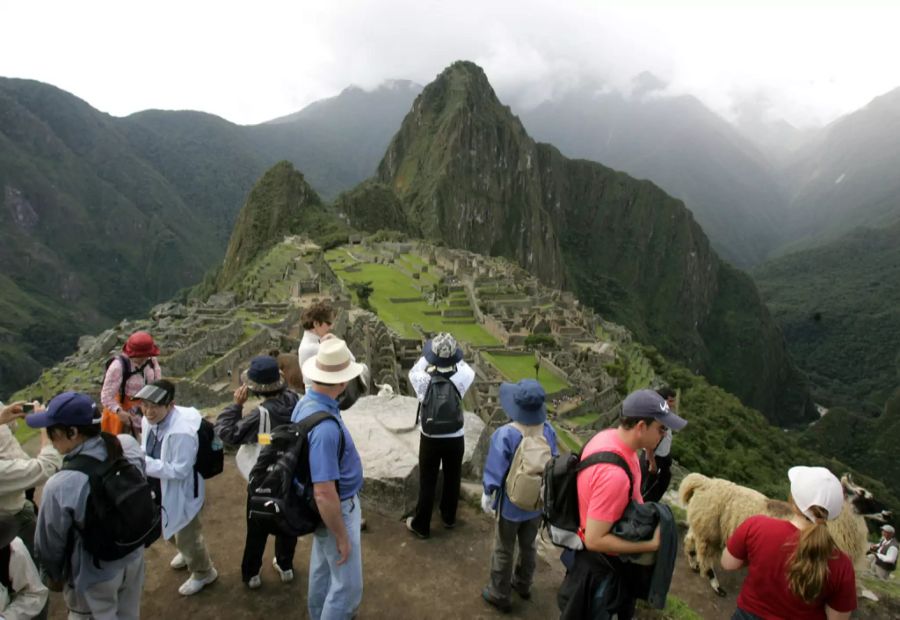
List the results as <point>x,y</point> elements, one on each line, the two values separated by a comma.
<point>504,443</point>
<point>175,467</point>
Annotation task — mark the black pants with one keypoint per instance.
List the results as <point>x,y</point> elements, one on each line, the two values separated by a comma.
<point>255,546</point>
<point>435,454</point>
<point>655,485</point>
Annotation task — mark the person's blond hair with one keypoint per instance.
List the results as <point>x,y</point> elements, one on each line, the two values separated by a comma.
<point>807,569</point>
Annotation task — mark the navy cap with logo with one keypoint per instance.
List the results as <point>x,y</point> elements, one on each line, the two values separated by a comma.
<point>649,404</point>
<point>69,409</point>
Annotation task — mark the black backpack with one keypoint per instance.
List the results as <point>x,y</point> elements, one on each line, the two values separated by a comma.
<point>210,453</point>
<point>560,494</point>
<point>121,515</point>
<point>441,410</point>
<point>280,491</point>
<point>127,371</point>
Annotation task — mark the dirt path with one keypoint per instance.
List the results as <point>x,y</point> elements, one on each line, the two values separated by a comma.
<point>405,578</point>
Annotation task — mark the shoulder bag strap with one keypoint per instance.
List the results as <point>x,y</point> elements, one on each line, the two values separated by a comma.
<point>265,423</point>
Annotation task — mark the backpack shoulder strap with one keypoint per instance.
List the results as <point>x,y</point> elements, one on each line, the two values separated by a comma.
<point>126,375</point>
<point>531,430</point>
<point>87,465</point>
<point>608,457</point>
<point>265,423</point>
<point>312,421</point>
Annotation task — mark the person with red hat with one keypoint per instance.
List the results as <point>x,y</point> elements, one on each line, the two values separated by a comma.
<point>126,374</point>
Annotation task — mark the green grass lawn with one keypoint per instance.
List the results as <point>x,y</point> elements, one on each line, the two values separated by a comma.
<point>583,420</point>
<point>389,282</point>
<point>571,443</point>
<point>518,367</point>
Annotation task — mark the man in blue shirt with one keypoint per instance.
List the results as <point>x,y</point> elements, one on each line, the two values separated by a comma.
<point>523,402</point>
<point>335,565</point>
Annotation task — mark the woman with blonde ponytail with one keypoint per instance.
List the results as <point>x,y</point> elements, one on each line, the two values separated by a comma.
<point>794,568</point>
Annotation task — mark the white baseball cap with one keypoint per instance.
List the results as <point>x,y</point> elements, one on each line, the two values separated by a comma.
<point>816,486</point>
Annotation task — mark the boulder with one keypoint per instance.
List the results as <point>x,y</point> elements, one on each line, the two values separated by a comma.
<point>384,431</point>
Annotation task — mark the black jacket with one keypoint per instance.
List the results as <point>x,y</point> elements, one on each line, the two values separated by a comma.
<point>233,429</point>
<point>622,580</point>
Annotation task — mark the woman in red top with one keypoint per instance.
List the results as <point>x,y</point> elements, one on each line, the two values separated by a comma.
<point>795,570</point>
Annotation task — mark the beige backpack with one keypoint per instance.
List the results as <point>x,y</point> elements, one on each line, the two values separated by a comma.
<point>523,482</point>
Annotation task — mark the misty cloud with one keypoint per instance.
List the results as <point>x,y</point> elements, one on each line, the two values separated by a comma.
<point>253,64</point>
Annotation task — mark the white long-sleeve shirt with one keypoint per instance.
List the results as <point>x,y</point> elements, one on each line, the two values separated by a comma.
<point>28,594</point>
<point>419,379</point>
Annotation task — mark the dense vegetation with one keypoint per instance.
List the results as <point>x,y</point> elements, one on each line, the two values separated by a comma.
<point>838,308</point>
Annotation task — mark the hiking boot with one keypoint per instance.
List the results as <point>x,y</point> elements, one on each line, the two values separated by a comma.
<point>410,527</point>
<point>504,606</point>
<point>448,526</point>
<point>178,562</point>
<point>192,586</point>
<point>363,525</point>
<point>287,576</point>
<point>524,593</point>
<point>255,582</point>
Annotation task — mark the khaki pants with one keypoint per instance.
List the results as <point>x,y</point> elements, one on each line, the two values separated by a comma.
<point>116,599</point>
<point>877,570</point>
<point>190,543</point>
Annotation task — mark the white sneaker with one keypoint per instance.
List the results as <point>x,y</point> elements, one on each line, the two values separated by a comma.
<point>178,562</point>
<point>286,575</point>
<point>255,582</point>
<point>192,586</point>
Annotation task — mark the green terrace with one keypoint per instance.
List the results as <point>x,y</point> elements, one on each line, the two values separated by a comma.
<point>400,300</point>
<point>517,367</point>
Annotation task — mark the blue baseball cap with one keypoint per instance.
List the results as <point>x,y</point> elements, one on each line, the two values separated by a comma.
<point>69,409</point>
<point>649,404</point>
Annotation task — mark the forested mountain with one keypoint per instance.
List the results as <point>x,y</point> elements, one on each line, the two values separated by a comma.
<point>837,305</point>
<point>104,216</point>
<point>467,173</point>
<point>684,148</point>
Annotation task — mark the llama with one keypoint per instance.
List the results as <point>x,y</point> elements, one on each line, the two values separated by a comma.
<point>715,507</point>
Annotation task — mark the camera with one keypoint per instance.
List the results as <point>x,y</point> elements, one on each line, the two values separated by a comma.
<point>28,408</point>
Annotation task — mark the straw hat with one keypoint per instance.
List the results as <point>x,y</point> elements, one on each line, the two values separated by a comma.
<point>332,364</point>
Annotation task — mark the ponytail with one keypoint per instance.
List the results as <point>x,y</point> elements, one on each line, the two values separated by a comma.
<point>808,566</point>
<point>113,446</point>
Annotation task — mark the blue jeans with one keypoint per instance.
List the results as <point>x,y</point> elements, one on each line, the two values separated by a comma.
<point>335,592</point>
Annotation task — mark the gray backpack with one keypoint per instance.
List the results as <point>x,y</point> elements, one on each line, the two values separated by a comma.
<point>523,481</point>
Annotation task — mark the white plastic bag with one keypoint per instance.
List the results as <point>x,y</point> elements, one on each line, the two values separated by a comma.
<point>247,454</point>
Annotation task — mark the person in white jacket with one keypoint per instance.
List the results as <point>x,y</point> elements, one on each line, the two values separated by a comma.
<point>170,442</point>
<point>441,356</point>
<point>22,594</point>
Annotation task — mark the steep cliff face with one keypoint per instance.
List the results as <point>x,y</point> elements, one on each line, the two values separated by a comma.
<point>281,203</point>
<point>467,172</point>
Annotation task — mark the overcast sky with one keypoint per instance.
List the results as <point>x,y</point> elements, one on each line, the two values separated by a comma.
<point>250,62</point>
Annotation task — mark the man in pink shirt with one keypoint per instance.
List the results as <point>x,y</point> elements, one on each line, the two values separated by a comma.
<point>603,495</point>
